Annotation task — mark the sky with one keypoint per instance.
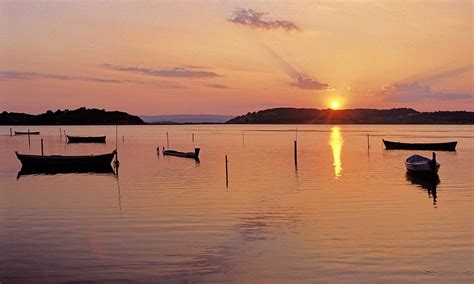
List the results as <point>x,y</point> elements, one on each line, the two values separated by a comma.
<point>234,57</point>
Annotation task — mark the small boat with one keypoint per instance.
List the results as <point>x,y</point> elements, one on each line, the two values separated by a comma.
<point>193,155</point>
<point>85,139</point>
<point>445,146</point>
<point>64,170</point>
<point>27,133</point>
<point>417,164</point>
<point>58,161</point>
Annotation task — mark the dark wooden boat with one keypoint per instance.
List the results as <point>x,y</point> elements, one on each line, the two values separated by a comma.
<point>193,155</point>
<point>65,170</point>
<point>27,133</point>
<point>445,146</point>
<point>58,161</point>
<point>85,139</point>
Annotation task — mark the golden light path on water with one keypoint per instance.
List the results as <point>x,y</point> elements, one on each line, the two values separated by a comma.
<point>336,143</point>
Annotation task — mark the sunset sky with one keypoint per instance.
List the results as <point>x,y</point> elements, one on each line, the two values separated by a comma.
<point>232,57</point>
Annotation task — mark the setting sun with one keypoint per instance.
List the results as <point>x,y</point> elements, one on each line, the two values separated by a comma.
<point>335,105</point>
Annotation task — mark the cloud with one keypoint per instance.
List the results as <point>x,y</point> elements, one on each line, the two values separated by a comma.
<point>301,80</point>
<point>178,72</point>
<point>413,92</point>
<point>287,68</point>
<point>438,75</point>
<point>217,86</point>
<point>306,83</point>
<point>30,75</point>
<point>196,67</point>
<point>19,75</point>
<point>256,20</point>
<point>446,74</point>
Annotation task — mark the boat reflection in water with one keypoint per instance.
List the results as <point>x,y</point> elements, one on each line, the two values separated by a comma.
<point>25,171</point>
<point>428,183</point>
<point>336,143</point>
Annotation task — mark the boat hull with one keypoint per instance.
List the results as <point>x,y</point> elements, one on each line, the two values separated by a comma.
<point>64,170</point>
<point>446,146</point>
<point>27,133</point>
<point>191,155</point>
<point>84,139</point>
<point>69,162</point>
<point>419,165</point>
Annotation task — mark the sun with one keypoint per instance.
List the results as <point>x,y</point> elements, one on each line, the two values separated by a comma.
<point>335,105</point>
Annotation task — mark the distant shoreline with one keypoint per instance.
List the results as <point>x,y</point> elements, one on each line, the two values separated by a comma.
<point>277,116</point>
<point>396,116</point>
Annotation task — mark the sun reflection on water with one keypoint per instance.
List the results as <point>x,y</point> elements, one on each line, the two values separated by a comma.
<point>336,143</point>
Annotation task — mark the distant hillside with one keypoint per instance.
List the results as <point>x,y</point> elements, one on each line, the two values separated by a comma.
<point>353,116</point>
<point>186,118</point>
<point>80,116</point>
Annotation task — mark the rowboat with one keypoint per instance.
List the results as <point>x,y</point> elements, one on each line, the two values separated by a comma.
<point>445,146</point>
<point>27,133</point>
<point>85,139</point>
<point>417,164</point>
<point>193,155</point>
<point>64,170</point>
<point>58,161</point>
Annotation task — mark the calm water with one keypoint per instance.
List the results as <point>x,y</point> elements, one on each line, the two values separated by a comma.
<point>344,214</point>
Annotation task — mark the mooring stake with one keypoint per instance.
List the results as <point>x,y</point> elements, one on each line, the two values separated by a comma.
<point>226,172</point>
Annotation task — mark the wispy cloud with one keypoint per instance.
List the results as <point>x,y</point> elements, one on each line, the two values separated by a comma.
<point>257,20</point>
<point>446,74</point>
<point>300,80</point>
<point>20,75</point>
<point>413,92</point>
<point>178,72</point>
<point>436,76</point>
<point>218,86</point>
<point>30,75</point>
<point>307,83</point>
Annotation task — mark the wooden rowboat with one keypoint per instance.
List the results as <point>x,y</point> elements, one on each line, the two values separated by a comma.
<point>85,139</point>
<point>58,161</point>
<point>64,170</point>
<point>445,146</point>
<point>27,133</point>
<point>193,155</point>
<point>417,164</point>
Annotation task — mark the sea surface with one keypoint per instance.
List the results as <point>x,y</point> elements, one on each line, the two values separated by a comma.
<point>345,212</point>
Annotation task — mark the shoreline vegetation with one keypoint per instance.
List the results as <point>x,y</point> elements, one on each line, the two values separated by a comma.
<point>84,116</point>
<point>353,116</point>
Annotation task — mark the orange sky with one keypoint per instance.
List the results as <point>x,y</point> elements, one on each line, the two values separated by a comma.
<point>218,57</point>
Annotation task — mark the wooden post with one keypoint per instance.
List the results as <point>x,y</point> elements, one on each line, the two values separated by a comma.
<point>226,172</point>
<point>158,150</point>
<point>368,142</point>
<point>42,149</point>
<point>29,141</point>
<point>60,134</point>
<point>116,163</point>
<point>193,137</point>
<point>123,139</point>
<point>296,153</point>
<point>11,132</point>
<point>167,141</point>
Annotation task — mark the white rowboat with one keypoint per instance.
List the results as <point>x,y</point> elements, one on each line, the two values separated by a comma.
<point>422,165</point>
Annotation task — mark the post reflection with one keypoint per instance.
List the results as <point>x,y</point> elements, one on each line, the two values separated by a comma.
<point>336,143</point>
